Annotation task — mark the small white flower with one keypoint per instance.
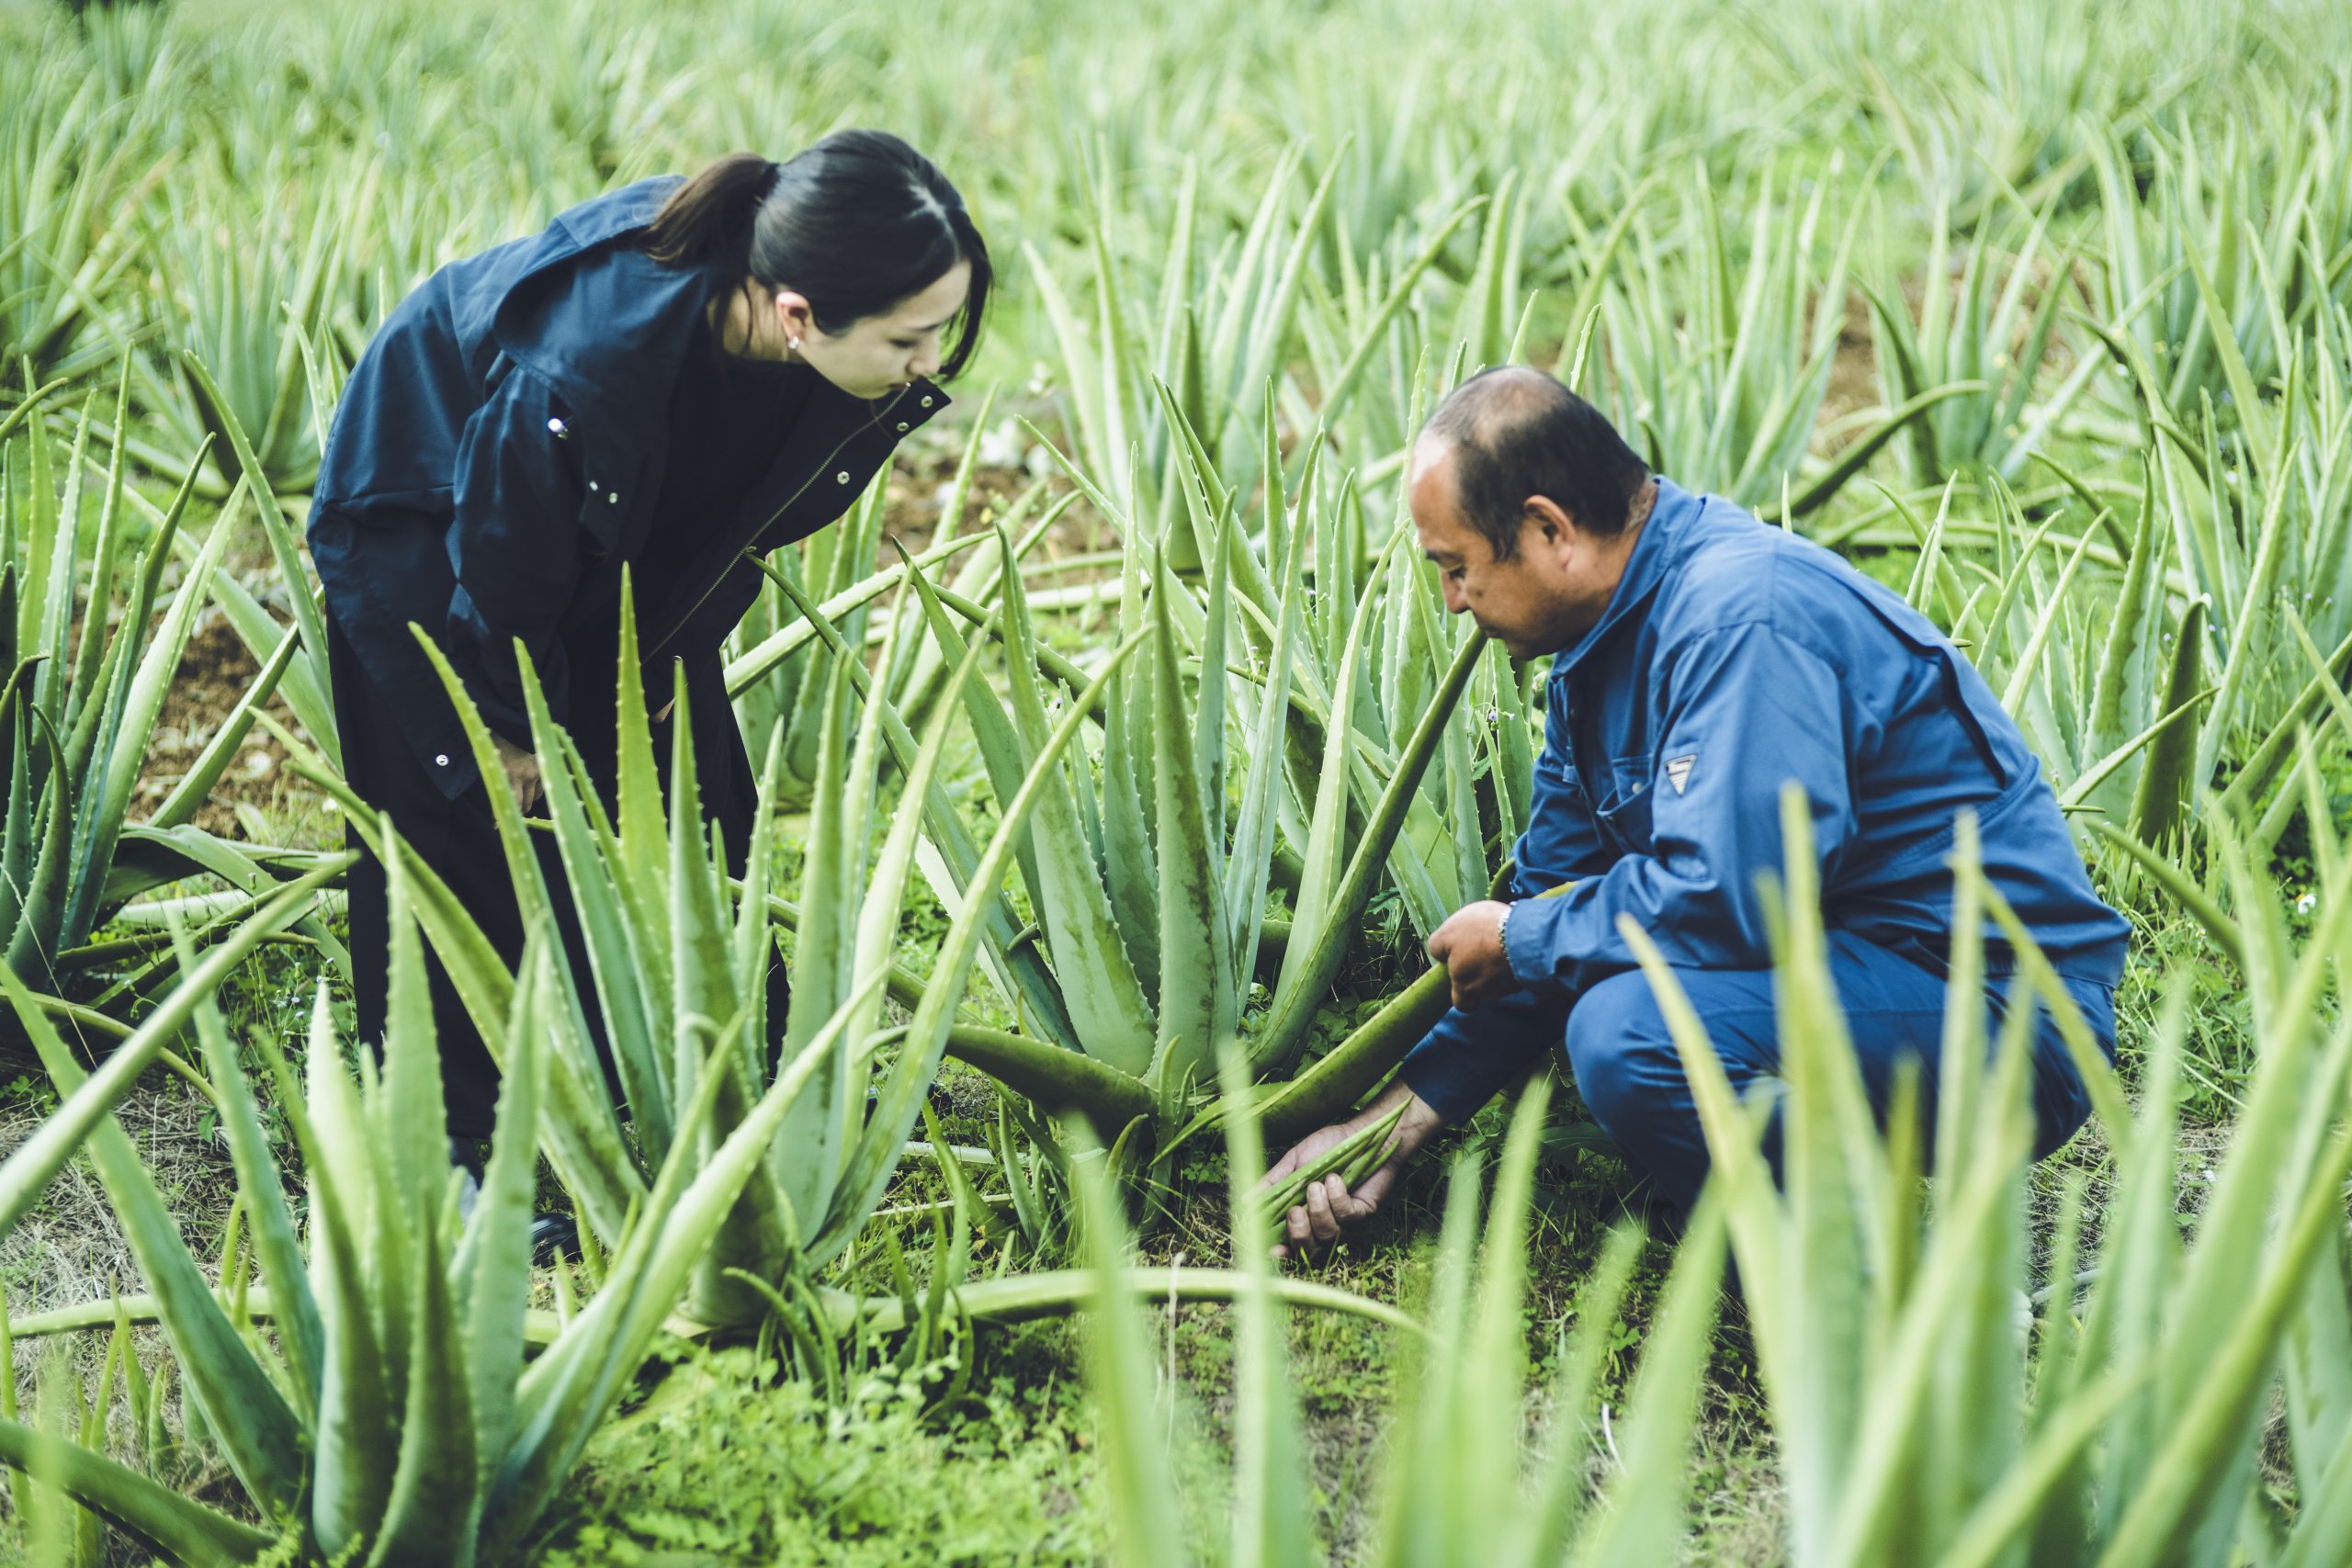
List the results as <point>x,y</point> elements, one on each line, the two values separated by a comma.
<point>2305,905</point>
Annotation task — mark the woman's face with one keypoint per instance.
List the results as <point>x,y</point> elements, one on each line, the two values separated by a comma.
<point>878,355</point>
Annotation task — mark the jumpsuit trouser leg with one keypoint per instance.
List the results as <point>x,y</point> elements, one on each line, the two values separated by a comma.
<point>1630,1074</point>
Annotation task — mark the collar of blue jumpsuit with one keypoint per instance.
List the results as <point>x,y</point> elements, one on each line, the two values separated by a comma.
<point>1645,567</point>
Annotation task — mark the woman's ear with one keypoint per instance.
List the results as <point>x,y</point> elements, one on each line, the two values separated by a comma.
<point>793,317</point>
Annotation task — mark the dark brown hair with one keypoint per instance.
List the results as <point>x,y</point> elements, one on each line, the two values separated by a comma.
<point>855,223</point>
<point>1517,432</point>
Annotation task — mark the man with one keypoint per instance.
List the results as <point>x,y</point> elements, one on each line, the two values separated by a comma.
<point>1701,660</point>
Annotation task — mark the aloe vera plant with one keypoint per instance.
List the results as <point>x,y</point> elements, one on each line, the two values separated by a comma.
<point>396,1420</point>
<point>90,646</point>
<point>1888,1332</point>
<point>1456,1490</point>
<point>678,953</point>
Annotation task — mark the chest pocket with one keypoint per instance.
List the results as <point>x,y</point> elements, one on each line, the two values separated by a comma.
<point>1624,812</point>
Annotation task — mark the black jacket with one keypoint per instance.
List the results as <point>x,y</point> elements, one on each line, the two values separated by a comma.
<point>495,459</point>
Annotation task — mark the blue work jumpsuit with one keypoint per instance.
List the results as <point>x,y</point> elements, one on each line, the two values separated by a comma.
<point>1733,658</point>
<point>498,456</point>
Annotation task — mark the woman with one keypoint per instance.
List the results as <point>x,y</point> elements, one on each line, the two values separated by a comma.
<point>672,374</point>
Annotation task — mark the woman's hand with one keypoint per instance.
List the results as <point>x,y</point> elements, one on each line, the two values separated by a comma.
<point>1330,1207</point>
<point>522,769</point>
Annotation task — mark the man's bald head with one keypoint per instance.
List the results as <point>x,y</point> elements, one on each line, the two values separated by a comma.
<point>1513,432</point>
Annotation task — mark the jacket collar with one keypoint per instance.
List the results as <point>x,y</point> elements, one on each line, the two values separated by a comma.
<point>1656,550</point>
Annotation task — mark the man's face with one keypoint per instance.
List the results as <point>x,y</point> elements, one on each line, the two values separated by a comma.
<point>1541,600</point>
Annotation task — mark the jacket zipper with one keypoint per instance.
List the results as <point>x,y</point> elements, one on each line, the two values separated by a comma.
<point>872,420</point>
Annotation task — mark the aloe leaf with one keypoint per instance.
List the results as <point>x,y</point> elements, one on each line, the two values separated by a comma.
<point>492,1266</point>
<point>35,1162</point>
<point>260,1435</point>
<point>1253,829</point>
<point>196,785</point>
<point>584,1133</point>
<point>2245,646</point>
<point>1143,1504</point>
<point>2077,794</point>
<point>2186,893</point>
<point>1643,1520</point>
<point>262,1197</point>
<point>191,1534</point>
<point>1198,991</point>
<point>430,1516</point>
<point>1016,964</point>
<point>625,966</point>
<point>745,671</point>
<point>1098,982</point>
<point>355,1438</point>
<point>2262,763</point>
<point>1271,1524</point>
<point>2138,610</point>
<point>1053,1076</point>
<point>1351,1159</point>
<point>926,1036</point>
<point>2165,777</point>
<point>1307,968</point>
<point>565,1393</point>
<point>2190,1465</point>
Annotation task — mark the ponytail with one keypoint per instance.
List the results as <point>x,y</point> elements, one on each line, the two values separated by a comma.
<point>707,220</point>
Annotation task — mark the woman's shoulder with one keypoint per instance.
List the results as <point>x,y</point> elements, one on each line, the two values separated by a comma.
<point>604,322</point>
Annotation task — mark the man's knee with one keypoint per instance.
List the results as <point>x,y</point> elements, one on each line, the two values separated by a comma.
<point>1618,1048</point>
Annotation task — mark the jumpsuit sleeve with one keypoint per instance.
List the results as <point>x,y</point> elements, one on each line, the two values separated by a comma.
<point>1747,712</point>
<point>1561,841</point>
<point>514,548</point>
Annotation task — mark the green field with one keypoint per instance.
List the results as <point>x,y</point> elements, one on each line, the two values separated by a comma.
<point>2038,310</point>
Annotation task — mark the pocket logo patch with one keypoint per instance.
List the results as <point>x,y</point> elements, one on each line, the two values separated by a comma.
<point>1678,771</point>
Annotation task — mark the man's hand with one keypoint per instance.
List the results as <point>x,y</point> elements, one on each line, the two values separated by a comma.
<point>1330,1206</point>
<point>522,770</point>
<point>1470,945</point>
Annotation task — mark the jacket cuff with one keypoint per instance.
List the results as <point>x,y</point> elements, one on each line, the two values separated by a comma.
<point>1466,1056</point>
<point>1530,938</point>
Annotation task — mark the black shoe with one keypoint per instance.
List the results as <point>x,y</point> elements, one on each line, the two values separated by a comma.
<point>554,1236</point>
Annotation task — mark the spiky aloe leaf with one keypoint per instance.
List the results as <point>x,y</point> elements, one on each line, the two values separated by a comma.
<point>1271,1522</point>
<point>1199,987</point>
<point>132,721</point>
<point>356,1440</point>
<point>429,1518</point>
<point>259,1433</point>
<point>623,925</point>
<point>1017,965</point>
<point>1098,983</point>
<point>29,1171</point>
<point>567,1391</point>
<point>1055,1078</point>
<point>926,1039</point>
<point>262,1197</point>
<point>584,1133</point>
<point>1143,1511</point>
<point>1642,1521</point>
<point>1324,927</point>
<point>283,545</point>
<point>196,785</point>
<point>190,1533</point>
